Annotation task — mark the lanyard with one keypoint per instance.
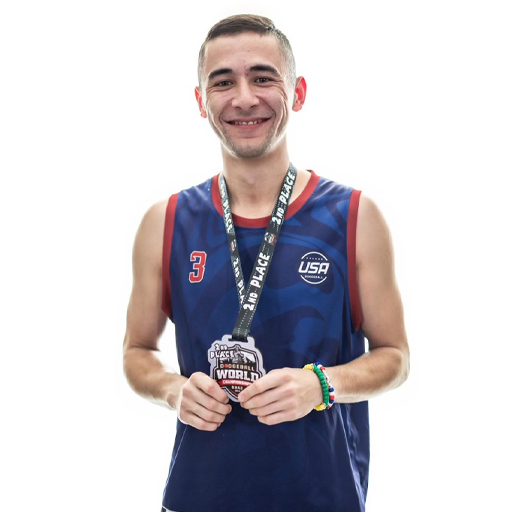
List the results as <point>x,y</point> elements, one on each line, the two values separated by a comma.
<point>249,301</point>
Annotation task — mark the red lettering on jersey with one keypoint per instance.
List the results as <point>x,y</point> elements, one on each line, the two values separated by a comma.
<point>199,260</point>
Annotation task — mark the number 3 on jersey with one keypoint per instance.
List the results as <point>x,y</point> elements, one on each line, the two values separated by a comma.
<point>198,258</point>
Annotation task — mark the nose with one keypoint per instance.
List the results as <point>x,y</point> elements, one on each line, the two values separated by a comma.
<point>245,97</point>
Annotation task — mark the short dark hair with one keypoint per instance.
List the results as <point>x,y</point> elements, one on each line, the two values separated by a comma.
<point>241,23</point>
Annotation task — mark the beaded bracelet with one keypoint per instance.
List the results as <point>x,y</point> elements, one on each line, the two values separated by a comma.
<point>329,384</point>
<point>325,382</point>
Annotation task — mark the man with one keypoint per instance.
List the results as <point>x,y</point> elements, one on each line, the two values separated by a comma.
<point>247,436</point>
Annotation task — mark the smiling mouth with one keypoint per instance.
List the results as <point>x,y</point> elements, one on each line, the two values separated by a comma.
<point>247,123</point>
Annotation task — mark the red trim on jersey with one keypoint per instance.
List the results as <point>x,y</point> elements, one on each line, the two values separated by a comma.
<point>262,222</point>
<point>355,302</point>
<point>166,254</point>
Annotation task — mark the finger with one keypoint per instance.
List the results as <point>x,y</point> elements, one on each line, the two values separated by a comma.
<point>208,415</point>
<point>274,419</point>
<point>265,398</point>
<point>197,422</point>
<point>269,381</point>
<point>196,400</point>
<point>271,408</point>
<point>210,387</point>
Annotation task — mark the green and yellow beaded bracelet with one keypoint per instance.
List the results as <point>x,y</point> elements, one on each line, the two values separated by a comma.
<point>325,382</point>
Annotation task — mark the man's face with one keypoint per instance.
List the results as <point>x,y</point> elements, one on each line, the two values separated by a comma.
<point>245,93</point>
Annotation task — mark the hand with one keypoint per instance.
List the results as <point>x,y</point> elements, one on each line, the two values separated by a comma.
<point>202,403</point>
<point>282,395</point>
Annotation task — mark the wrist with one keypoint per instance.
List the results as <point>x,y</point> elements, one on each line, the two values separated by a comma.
<point>338,379</point>
<point>327,390</point>
<point>316,388</point>
<point>173,390</point>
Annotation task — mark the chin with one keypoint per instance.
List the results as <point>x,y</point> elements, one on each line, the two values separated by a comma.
<point>246,150</point>
<point>251,150</point>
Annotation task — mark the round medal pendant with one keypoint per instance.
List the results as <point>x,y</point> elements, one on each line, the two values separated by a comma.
<point>235,364</point>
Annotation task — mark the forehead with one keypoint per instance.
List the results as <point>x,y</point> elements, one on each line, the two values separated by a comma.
<point>242,51</point>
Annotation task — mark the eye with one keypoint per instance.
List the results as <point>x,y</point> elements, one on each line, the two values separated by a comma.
<point>223,83</point>
<point>263,80</point>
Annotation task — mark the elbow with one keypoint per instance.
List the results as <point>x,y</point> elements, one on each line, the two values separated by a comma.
<point>405,366</point>
<point>130,358</point>
<point>127,366</point>
<point>126,355</point>
<point>399,366</point>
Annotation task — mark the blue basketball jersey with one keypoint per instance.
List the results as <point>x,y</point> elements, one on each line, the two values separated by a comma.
<point>309,311</point>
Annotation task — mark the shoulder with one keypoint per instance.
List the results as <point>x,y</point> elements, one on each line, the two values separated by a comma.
<point>149,238</point>
<point>370,216</point>
<point>154,219</point>
<point>326,185</point>
<point>373,238</point>
<point>153,222</point>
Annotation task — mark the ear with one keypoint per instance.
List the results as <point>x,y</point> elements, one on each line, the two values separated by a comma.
<point>300,94</point>
<point>200,104</point>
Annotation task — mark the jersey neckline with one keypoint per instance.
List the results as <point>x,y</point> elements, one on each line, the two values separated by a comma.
<point>262,222</point>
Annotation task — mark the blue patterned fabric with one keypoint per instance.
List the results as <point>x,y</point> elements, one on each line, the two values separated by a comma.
<point>317,463</point>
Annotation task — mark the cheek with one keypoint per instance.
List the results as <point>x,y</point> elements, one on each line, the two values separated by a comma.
<point>286,102</point>
<point>284,105</point>
<point>210,106</point>
<point>214,111</point>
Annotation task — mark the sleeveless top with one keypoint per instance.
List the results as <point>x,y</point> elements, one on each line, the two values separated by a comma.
<point>309,311</point>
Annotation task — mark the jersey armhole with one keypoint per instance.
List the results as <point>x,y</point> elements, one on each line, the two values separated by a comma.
<point>166,255</point>
<point>355,302</point>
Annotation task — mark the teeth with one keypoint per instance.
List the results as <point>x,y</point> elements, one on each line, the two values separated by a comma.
<point>248,123</point>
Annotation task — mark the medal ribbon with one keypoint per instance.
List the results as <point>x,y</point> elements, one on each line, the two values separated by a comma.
<point>249,301</point>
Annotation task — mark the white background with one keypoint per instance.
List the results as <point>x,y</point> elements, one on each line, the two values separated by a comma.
<point>408,101</point>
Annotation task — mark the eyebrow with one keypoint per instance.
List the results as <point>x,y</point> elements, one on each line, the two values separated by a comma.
<point>217,72</point>
<point>257,67</point>
<point>265,67</point>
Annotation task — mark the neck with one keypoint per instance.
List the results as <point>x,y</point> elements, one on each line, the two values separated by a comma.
<point>254,183</point>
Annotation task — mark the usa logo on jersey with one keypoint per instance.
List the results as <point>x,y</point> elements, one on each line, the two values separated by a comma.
<point>314,268</point>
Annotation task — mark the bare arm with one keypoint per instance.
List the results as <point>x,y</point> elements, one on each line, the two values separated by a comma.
<point>146,321</point>
<point>290,393</point>
<point>386,365</point>
<point>199,400</point>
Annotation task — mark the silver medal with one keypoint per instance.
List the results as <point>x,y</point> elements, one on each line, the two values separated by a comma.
<point>235,364</point>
